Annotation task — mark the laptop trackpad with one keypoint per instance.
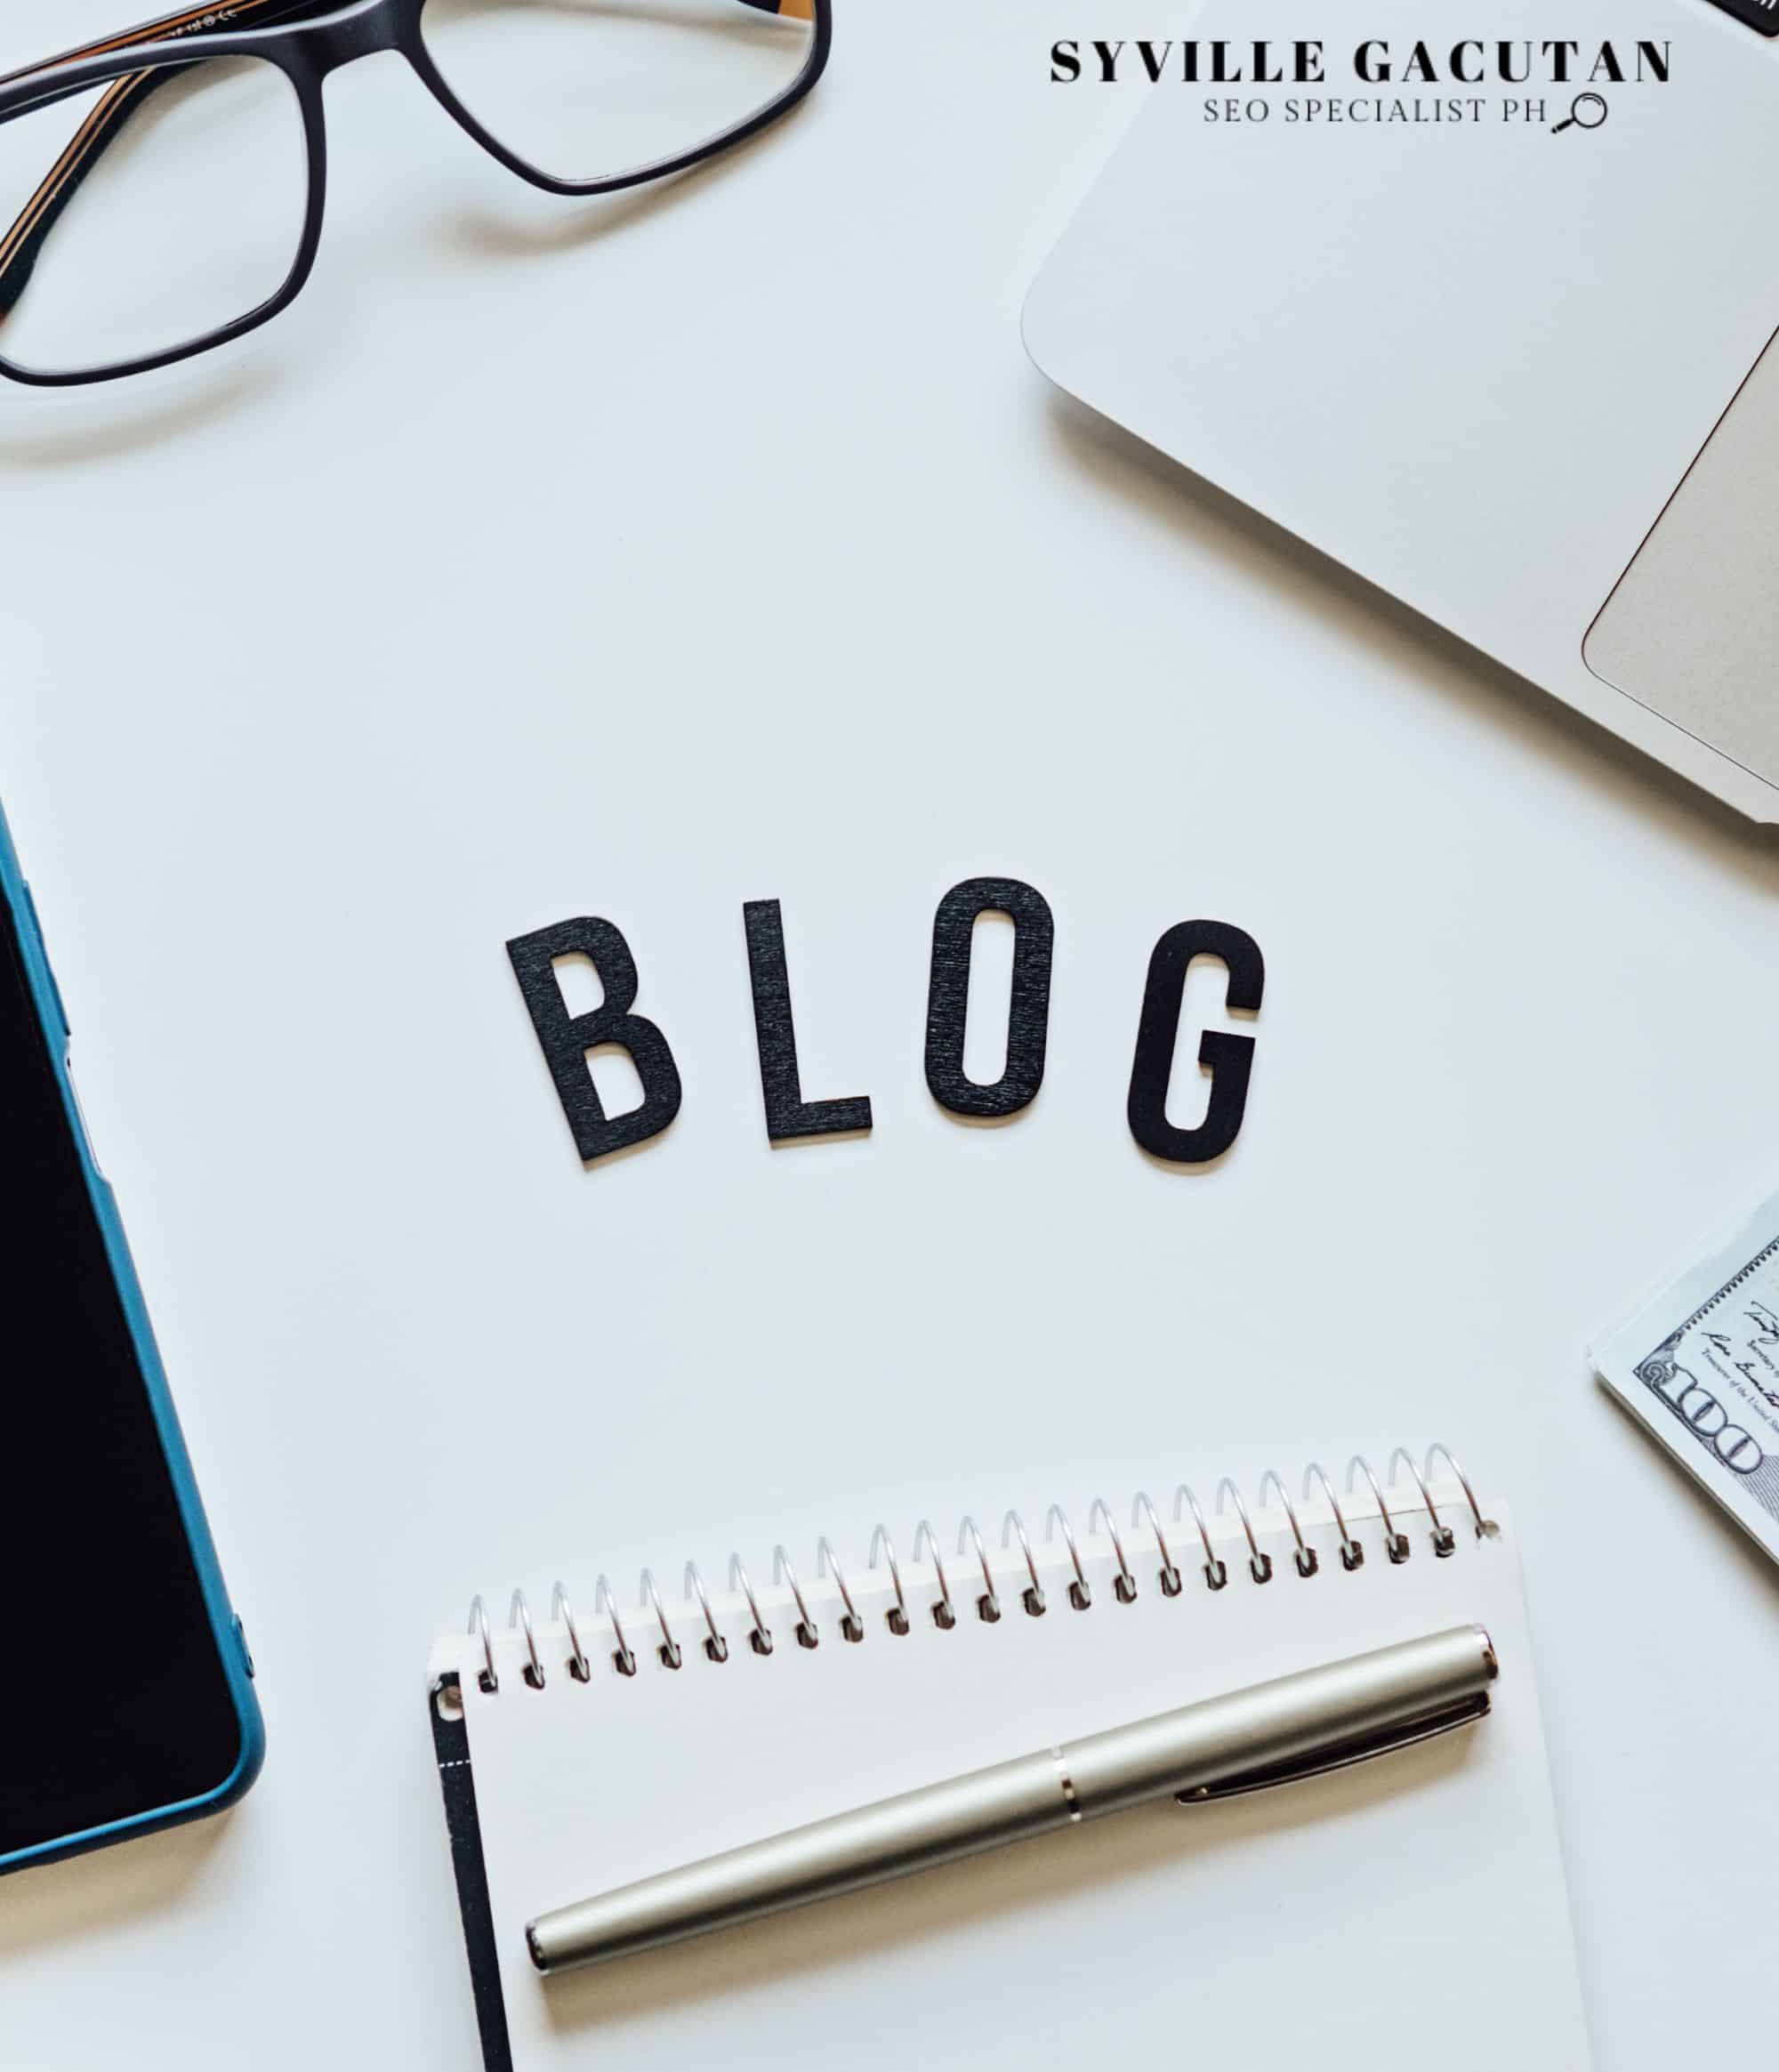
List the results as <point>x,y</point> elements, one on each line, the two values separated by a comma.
<point>1692,631</point>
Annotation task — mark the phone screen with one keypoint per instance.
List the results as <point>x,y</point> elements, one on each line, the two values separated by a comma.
<point>115,1702</point>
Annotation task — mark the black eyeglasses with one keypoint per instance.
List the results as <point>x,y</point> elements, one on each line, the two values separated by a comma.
<point>164,186</point>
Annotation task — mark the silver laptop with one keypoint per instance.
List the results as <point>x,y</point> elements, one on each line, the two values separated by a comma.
<point>1491,321</point>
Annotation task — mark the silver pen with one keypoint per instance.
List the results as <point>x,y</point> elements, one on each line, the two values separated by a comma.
<point>1293,1727</point>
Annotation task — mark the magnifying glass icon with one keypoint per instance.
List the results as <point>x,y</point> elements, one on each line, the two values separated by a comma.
<point>1587,111</point>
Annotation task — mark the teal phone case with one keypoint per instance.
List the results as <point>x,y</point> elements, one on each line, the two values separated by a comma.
<point>231,1644</point>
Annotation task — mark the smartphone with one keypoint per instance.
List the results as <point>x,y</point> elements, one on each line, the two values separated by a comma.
<point>134,1707</point>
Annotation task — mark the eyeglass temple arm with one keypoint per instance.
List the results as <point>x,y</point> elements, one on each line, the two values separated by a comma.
<point>24,239</point>
<point>220,14</point>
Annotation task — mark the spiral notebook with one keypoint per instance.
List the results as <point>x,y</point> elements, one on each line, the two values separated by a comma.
<point>1409,1903</point>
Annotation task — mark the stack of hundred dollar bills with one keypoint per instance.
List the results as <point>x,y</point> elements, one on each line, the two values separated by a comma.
<point>1698,1363</point>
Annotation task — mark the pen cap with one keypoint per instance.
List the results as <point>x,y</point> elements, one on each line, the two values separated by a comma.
<point>1302,1720</point>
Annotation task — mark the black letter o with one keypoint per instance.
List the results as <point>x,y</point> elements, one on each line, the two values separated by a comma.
<point>1028,1010</point>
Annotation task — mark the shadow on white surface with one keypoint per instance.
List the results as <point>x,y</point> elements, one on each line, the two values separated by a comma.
<point>1732,1546</point>
<point>1214,520</point>
<point>566,223</point>
<point>73,428</point>
<point>91,1896</point>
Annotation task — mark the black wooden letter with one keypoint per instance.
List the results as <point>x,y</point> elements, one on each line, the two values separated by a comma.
<point>567,1039</point>
<point>1028,1012</point>
<point>787,1113</point>
<point>1229,1057</point>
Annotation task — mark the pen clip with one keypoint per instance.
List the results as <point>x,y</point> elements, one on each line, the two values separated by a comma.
<point>1343,1755</point>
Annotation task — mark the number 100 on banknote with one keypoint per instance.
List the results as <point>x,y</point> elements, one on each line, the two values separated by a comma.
<point>1698,1365</point>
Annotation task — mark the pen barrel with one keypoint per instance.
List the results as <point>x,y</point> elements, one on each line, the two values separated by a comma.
<point>915,1831</point>
<point>1302,1722</point>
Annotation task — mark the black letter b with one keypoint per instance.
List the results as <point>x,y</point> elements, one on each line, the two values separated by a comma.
<point>566,1039</point>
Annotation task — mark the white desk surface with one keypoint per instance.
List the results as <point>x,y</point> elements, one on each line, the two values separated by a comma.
<point>718,544</point>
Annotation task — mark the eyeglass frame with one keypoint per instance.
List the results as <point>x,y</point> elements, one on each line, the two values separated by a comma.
<point>306,52</point>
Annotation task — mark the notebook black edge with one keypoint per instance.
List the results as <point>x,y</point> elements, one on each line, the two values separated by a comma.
<point>457,1786</point>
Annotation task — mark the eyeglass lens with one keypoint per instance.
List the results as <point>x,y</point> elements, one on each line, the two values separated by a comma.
<point>149,212</point>
<point>585,90</point>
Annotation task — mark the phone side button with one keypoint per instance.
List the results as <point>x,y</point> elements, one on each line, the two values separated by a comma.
<point>241,1642</point>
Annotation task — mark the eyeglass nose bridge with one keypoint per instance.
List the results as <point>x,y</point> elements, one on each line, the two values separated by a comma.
<point>357,32</point>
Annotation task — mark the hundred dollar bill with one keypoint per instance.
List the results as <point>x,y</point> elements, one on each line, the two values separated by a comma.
<point>1698,1364</point>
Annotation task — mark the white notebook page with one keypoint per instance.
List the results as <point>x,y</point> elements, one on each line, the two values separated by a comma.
<point>1418,1896</point>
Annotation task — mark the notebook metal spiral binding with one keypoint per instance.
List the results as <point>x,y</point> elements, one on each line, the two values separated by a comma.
<point>899,1619</point>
